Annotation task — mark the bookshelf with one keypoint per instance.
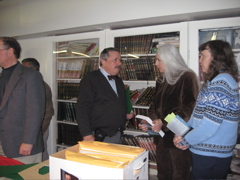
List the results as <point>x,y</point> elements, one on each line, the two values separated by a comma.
<point>138,73</point>
<point>74,56</point>
<point>201,31</point>
<point>138,49</point>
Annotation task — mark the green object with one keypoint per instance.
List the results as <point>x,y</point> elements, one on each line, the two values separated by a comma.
<point>44,170</point>
<point>129,103</point>
<point>170,117</point>
<point>11,172</point>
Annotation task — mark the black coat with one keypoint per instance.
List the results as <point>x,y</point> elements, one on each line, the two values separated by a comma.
<point>98,106</point>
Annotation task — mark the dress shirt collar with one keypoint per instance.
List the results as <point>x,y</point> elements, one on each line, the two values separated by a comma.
<point>104,73</point>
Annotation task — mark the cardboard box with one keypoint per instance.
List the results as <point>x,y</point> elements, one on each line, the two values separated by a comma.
<point>60,168</point>
<point>33,172</point>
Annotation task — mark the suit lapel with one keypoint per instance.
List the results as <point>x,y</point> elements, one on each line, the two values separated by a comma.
<point>11,84</point>
<point>119,90</point>
<point>107,86</point>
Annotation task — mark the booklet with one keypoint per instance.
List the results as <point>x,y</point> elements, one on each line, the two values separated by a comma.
<point>148,123</point>
<point>177,125</point>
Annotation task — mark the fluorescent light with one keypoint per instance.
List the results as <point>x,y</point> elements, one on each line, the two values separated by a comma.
<point>133,55</point>
<point>63,51</point>
<point>80,54</point>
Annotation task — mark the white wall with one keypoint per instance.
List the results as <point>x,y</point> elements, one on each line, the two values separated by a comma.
<point>25,17</point>
<point>41,49</point>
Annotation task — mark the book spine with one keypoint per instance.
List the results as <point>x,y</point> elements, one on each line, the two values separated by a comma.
<point>166,39</point>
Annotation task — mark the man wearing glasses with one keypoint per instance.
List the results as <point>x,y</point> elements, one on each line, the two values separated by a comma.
<point>22,103</point>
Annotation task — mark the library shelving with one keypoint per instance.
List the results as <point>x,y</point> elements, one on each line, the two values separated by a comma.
<point>227,29</point>
<point>138,47</point>
<point>74,56</point>
<point>128,41</point>
<point>138,50</point>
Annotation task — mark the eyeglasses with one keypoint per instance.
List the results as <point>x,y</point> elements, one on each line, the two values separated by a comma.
<point>3,49</point>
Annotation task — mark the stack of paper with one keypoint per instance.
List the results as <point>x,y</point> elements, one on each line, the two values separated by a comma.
<point>104,154</point>
<point>176,124</point>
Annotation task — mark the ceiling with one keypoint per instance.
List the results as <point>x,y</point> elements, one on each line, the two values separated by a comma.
<point>130,23</point>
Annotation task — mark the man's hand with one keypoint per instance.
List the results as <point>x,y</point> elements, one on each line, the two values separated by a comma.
<point>25,149</point>
<point>89,138</point>
<point>130,116</point>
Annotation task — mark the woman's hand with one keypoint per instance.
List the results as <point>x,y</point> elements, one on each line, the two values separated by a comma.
<point>142,127</point>
<point>157,125</point>
<point>177,142</point>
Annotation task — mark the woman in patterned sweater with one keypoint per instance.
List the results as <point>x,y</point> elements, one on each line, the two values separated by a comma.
<point>215,117</point>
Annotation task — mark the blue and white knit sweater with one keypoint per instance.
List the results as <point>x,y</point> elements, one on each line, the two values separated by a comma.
<point>215,119</point>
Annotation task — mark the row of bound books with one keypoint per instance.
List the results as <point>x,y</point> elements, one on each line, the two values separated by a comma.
<point>132,69</point>
<point>143,141</point>
<point>76,68</point>
<point>139,69</point>
<point>141,97</point>
<point>66,111</point>
<point>145,44</point>
<point>145,98</point>
<point>76,48</point>
<point>68,91</point>
<point>68,135</point>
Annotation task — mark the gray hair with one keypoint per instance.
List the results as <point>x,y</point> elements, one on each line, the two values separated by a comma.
<point>105,53</point>
<point>174,65</point>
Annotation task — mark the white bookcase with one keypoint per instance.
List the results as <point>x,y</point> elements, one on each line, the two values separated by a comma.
<point>214,25</point>
<point>68,59</point>
<point>113,36</point>
<point>182,28</point>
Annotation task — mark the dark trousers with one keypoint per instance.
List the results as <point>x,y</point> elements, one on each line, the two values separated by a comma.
<point>208,167</point>
<point>172,163</point>
<point>101,136</point>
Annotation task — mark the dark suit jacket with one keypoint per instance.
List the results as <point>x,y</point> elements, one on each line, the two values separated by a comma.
<point>98,106</point>
<point>21,111</point>
<point>49,111</point>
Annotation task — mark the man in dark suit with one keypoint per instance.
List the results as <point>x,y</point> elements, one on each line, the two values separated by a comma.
<point>101,107</point>
<point>22,104</point>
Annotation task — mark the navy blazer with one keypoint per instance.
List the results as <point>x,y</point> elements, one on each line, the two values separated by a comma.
<point>21,111</point>
<point>98,106</point>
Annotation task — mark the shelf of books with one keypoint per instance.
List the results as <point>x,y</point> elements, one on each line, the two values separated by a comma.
<point>75,56</point>
<point>138,48</point>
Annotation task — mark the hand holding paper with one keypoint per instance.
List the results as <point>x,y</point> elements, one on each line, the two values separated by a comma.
<point>177,125</point>
<point>149,124</point>
<point>177,141</point>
